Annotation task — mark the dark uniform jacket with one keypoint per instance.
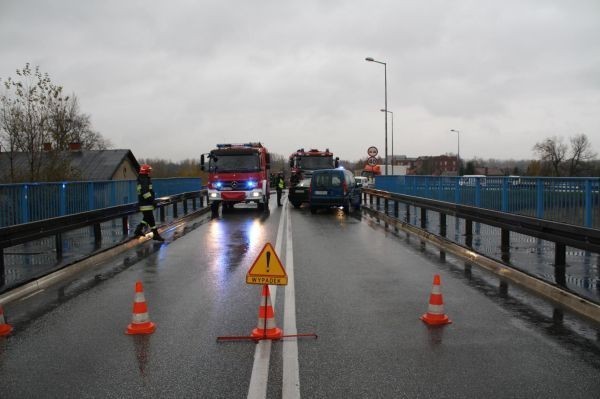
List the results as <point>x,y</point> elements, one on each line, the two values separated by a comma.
<point>145,193</point>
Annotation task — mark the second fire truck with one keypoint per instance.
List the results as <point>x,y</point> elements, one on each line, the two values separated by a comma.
<point>303,163</point>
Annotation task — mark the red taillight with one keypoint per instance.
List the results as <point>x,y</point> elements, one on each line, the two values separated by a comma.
<point>345,186</point>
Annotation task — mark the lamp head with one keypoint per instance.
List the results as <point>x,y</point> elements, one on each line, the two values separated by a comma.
<point>369,59</point>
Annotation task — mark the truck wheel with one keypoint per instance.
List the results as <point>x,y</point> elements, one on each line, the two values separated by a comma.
<point>296,204</point>
<point>214,207</point>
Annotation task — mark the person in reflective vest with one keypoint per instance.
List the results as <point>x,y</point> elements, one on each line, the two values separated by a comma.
<point>280,184</point>
<point>146,203</point>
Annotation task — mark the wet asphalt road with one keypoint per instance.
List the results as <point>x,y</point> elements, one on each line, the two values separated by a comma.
<point>360,288</point>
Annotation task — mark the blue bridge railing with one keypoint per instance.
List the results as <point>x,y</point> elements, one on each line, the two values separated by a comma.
<point>29,202</point>
<point>573,200</point>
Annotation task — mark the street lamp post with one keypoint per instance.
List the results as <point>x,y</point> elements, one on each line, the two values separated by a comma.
<point>390,112</point>
<point>370,59</point>
<point>458,153</point>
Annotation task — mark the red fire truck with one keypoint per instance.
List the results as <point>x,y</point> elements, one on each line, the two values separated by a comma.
<point>303,163</point>
<point>238,173</point>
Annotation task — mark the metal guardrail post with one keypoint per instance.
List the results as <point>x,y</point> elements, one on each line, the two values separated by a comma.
<point>505,245</point>
<point>469,233</point>
<point>423,218</point>
<point>560,260</point>
<point>125,225</point>
<point>385,209</point>
<point>175,214</point>
<point>194,203</point>
<point>407,213</point>
<point>560,254</point>
<point>185,206</point>
<point>443,224</point>
<point>58,245</point>
<point>468,227</point>
<point>97,235</point>
<point>161,211</point>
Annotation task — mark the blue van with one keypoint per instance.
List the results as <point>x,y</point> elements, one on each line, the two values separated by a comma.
<point>334,187</point>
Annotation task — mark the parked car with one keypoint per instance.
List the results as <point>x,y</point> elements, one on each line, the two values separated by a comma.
<point>473,180</point>
<point>364,181</point>
<point>299,193</point>
<point>334,187</point>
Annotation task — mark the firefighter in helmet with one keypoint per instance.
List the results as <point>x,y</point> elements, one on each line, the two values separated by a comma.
<point>279,185</point>
<point>146,203</point>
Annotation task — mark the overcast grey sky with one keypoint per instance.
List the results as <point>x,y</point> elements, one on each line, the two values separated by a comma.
<point>170,79</point>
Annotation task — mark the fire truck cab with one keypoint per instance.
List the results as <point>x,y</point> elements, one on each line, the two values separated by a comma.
<point>303,163</point>
<point>238,173</point>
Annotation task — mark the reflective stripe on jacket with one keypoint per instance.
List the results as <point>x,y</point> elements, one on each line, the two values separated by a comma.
<point>145,193</point>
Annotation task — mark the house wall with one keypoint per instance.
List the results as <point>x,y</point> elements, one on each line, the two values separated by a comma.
<point>125,171</point>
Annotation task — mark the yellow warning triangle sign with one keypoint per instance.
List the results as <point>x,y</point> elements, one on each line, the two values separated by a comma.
<point>267,268</point>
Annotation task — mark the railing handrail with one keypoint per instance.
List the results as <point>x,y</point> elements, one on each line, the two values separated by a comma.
<point>39,183</point>
<point>25,232</point>
<point>575,236</point>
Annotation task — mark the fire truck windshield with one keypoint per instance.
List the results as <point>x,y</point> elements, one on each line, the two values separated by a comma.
<point>234,163</point>
<point>313,163</point>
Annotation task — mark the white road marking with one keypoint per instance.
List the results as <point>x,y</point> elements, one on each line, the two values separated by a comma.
<point>291,374</point>
<point>262,355</point>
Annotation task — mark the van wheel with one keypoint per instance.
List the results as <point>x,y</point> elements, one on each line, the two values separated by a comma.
<point>296,204</point>
<point>347,207</point>
<point>313,210</point>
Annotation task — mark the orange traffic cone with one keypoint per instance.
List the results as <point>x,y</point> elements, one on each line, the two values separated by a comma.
<point>435,312</point>
<point>140,323</point>
<point>5,329</point>
<point>266,328</point>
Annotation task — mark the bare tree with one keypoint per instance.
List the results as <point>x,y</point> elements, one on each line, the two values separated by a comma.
<point>581,151</point>
<point>26,106</point>
<point>67,124</point>
<point>553,151</point>
<point>34,112</point>
<point>10,127</point>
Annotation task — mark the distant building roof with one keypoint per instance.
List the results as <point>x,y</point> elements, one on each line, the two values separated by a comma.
<point>100,164</point>
<point>489,171</point>
<point>89,164</point>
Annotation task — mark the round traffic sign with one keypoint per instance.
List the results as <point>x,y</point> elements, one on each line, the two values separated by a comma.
<point>372,151</point>
<point>372,161</point>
